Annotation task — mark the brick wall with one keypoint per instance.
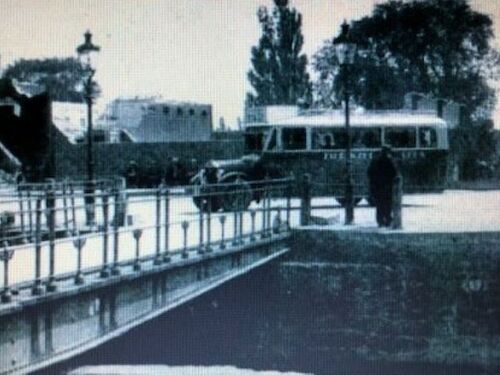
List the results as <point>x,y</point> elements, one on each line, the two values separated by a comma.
<point>112,159</point>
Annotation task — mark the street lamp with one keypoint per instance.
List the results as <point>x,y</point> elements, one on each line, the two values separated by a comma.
<point>87,55</point>
<point>345,50</point>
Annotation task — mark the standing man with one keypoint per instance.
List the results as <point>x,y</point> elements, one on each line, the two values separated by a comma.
<point>381,174</point>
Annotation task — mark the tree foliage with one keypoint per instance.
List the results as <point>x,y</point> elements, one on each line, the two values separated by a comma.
<point>278,74</point>
<point>61,77</point>
<point>435,47</point>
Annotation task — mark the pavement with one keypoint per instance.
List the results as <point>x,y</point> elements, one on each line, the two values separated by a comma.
<point>452,211</point>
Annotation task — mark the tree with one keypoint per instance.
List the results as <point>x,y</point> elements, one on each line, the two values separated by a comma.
<point>436,47</point>
<point>440,48</point>
<point>278,73</point>
<point>60,77</point>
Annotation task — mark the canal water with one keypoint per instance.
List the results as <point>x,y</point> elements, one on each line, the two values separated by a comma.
<point>279,318</point>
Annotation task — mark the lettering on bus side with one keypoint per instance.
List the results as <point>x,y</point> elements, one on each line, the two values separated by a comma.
<point>367,155</point>
<point>340,155</point>
<point>414,154</point>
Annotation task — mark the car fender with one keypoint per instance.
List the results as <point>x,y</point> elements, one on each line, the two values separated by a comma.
<point>231,176</point>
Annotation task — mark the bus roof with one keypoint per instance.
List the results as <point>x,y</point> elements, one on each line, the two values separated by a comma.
<point>374,118</point>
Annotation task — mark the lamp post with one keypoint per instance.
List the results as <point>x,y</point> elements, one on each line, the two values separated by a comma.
<point>345,50</point>
<point>87,55</point>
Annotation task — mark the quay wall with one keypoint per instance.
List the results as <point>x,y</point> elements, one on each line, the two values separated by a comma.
<point>399,297</point>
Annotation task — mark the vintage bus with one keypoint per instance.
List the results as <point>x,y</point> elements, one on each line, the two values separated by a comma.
<point>315,143</point>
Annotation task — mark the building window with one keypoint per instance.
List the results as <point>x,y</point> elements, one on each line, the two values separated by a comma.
<point>191,112</point>
<point>179,111</point>
<point>166,110</point>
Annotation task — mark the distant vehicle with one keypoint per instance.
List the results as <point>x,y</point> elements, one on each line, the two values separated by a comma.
<point>315,143</point>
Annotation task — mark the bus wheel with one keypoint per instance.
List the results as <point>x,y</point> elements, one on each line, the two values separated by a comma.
<point>342,201</point>
<point>237,196</point>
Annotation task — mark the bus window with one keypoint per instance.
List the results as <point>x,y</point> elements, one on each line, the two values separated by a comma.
<point>400,137</point>
<point>328,139</point>
<point>322,139</point>
<point>427,137</point>
<point>294,139</point>
<point>366,138</point>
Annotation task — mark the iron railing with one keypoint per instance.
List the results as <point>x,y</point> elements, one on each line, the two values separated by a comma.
<point>47,244</point>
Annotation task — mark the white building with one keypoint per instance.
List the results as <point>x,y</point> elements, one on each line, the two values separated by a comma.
<point>155,120</point>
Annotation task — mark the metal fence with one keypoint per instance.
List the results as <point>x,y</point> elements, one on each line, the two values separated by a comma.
<point>47,242</point>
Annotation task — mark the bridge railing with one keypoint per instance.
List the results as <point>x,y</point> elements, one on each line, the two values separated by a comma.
<point>48,244</point>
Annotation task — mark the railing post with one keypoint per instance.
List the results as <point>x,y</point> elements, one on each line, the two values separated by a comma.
<point>73,205</point>
<point>137,233</point>
<point>241,241</point>
<point>89,202</point>
<point>277,221</point>
<point>397,204</point>
<point>5,256</point>
<point>115,270</point>
<point>200,224</point>
<point>166,251</point>
<point>305,204</point>
<point>252,233</point>
<point>185,226</point>
<point>234,242</point>
<point>105,233</point>
<point>268,212</point>
<point>157,260</point>
<point>65,205</point>
<point>79,243</point>
<point>37,284</point>
<point>51,222</point>
<point>222,220</point>
<point>120,202</point>
<point>263,233</point>
<point>208,247</point>
<point>288,202</point>
<point>30,217</point>
<point>21,210</point>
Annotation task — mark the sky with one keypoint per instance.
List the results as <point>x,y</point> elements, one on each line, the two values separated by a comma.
<point>188,50</point>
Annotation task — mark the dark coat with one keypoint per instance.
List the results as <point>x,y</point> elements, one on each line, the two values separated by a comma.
<point>381,173</point>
